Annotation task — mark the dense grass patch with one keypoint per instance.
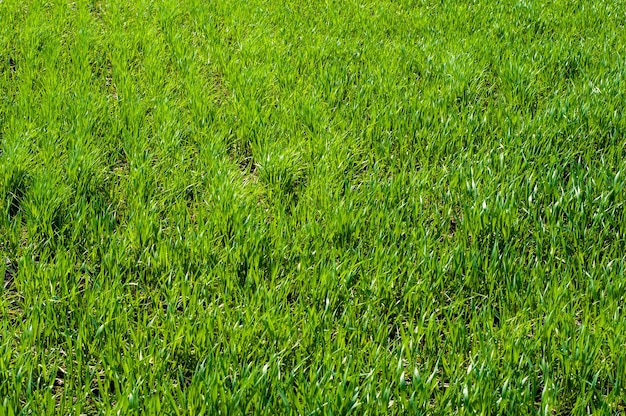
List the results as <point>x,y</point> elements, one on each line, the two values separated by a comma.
<point>305,207</point>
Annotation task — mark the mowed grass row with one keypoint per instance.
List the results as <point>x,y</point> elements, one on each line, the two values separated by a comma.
<point>307,207</point>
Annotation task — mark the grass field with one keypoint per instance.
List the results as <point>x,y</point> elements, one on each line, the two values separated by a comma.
<point>313,207</point>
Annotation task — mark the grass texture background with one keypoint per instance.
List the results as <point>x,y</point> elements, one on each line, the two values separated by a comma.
<point>312,207</point>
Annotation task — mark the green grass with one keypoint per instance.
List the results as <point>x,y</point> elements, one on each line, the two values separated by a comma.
<point>306,207</point>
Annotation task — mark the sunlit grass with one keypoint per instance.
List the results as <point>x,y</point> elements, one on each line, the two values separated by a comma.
<point>291,207</point>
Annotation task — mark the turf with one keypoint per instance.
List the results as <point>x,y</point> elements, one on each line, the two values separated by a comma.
<point>312,207</point>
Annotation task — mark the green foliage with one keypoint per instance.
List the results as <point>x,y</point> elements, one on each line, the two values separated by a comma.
<point>292,207</point>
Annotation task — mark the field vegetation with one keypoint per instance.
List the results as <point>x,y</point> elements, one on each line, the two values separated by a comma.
<point>312,207</point>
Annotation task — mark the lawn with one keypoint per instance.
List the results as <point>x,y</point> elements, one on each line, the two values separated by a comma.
<point>313,207</point>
